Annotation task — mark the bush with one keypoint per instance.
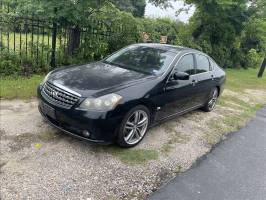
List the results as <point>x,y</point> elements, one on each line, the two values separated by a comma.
<point>160,27</point>
<point>253,59</point>
<point>9,64</point>
<point>22,63</point>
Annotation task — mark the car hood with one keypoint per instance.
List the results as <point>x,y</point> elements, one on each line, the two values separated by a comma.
<point>95,79</point>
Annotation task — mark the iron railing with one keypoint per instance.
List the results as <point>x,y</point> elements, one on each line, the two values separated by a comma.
<point>45,40</point>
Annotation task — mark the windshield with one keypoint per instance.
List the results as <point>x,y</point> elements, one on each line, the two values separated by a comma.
<point>143,59</point>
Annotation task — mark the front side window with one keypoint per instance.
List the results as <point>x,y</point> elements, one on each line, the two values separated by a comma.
<point>203,64</point>
<point>186,64</point>
<point>144,59</point>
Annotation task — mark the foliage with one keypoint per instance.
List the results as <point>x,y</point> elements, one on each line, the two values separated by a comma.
<point>21,63</point>
<point>9,64</point>
<point>253,59</point>
<point>209,23</point>
<point>160,27</point>
<point>73,12</point>
<point>232,32</point>
<point>137,8</point>
<point>126,28</point>
<point>254,35</point>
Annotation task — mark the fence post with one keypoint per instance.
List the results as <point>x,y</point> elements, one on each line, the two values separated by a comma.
<point>54,29</point>
<point>262,68</point>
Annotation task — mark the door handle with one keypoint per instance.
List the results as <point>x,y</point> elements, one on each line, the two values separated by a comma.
<point>194,82</point>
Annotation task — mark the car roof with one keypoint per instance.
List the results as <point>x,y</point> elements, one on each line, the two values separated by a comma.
<point>167,47</point>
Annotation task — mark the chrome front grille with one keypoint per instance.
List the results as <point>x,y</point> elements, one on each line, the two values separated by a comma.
<point>58,96</point>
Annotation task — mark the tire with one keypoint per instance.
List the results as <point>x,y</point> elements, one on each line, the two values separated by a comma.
<point>134,127</point>
<point>212,100</point>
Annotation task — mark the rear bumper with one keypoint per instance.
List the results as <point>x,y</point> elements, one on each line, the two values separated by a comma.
<point>101,125</point>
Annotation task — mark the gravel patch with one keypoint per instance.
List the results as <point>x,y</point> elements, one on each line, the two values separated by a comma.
<point>39,162</point>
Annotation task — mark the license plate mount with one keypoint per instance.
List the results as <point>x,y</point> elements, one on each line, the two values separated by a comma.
<point>48,110</point>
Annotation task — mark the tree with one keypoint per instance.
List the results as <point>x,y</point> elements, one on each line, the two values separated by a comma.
<point>229,30</point>
<point>161,27</point>
<point>216,27</point>
<point>136,7</point>
<point>75,13</point>
<point>162,3</point>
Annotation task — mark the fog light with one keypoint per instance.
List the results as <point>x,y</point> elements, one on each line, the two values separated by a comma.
<point>86,133</point>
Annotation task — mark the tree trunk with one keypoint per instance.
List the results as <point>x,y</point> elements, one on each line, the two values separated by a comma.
<point>262,68</point>
<point>74,40</point>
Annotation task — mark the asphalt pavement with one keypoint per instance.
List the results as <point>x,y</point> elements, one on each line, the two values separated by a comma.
<point>234,170</point>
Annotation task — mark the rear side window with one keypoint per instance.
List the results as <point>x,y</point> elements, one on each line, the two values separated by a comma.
<point>213,64</point>
<point>186,64</point>
<point>203,64</point>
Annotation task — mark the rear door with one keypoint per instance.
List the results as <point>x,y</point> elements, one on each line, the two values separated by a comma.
<point>205,78</point>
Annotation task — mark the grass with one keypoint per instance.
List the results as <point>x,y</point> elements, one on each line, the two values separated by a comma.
<point>19,87</point>
<point>40,39</point>
<point>174,138</point>
<point>134,156</point>
<point>242,104</point>
<point>241,79</point>
<point>218,131</point>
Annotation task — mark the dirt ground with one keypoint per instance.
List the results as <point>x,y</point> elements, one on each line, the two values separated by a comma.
<point>39,162</point>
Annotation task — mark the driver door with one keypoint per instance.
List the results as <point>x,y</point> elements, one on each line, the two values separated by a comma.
<point>178,95</point>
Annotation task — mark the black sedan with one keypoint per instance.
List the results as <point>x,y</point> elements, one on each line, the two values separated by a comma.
<point>119,98</point>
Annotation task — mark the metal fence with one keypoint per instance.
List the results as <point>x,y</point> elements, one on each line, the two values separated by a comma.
<point>45,41</point>
<point>39,43</point>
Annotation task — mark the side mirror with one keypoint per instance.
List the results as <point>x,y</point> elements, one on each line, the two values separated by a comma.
<point>181,76</point>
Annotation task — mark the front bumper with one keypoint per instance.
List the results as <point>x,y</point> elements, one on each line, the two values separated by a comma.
<point>101,125</point>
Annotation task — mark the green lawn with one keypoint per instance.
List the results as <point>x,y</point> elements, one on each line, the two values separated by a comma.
<point>40,39</point>
<point>20,87</point>
<point>238,80</point>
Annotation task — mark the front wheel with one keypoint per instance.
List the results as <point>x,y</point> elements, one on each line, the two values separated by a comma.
<point>133,127</point>
<point>212,100</point>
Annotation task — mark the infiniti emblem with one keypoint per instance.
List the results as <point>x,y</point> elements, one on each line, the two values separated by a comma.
<point>54,93</point>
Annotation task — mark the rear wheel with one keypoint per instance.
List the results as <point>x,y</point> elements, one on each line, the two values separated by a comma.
<point>212,100</point>
<point>134,126</point>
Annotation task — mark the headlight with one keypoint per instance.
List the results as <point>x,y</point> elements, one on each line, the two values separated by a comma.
<point>45,78</point>
<point>103,103</point>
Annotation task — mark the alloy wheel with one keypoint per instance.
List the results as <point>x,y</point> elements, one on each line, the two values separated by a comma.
<point>135,127</point>
<point>213,100</point>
